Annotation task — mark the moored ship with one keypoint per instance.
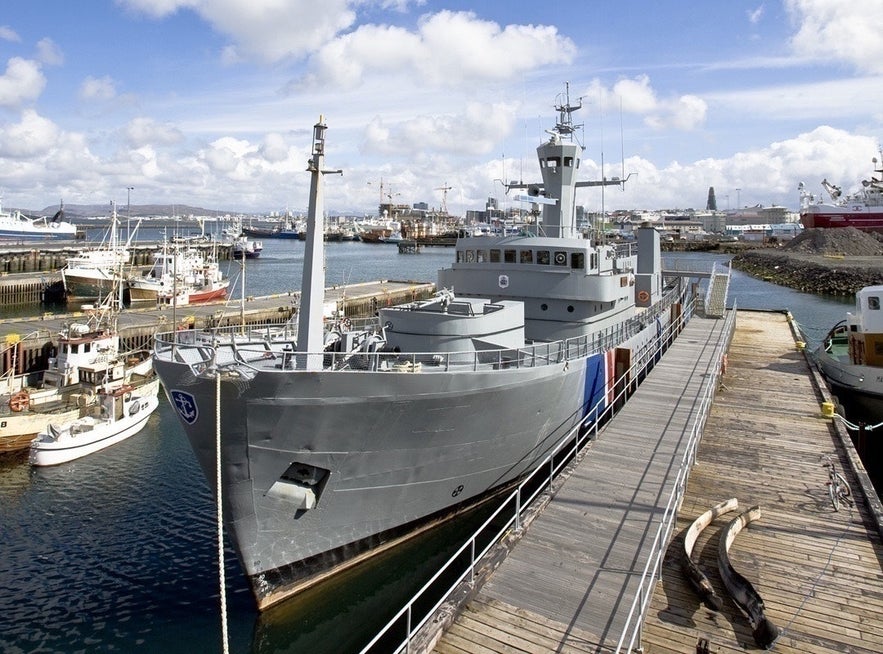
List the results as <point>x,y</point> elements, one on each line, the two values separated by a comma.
<point>850,357</point>
<point>862,209</point>
<point>16,227</point>
<point>339,440</point>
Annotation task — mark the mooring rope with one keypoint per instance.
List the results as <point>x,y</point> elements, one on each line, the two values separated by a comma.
<point>853,427</point>
<point>221,575</point>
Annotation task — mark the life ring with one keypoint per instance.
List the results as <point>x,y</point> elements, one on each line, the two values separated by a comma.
<point>560,258</point>
<point>20,401</point>
<point>643,296</point>
<point>346,323</point>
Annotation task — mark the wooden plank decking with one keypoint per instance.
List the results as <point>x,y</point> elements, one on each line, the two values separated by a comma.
<point>569,582</point>
<point>818,571</point>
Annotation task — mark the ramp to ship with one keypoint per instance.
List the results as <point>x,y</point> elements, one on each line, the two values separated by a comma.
<point>569,583</point>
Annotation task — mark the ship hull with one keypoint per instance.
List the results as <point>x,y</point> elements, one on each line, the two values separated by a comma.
<point>402,450</point>
<point>89,283</point>
<point>832,216</point>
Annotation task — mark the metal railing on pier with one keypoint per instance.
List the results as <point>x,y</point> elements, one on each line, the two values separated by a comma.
<point>519,501</point>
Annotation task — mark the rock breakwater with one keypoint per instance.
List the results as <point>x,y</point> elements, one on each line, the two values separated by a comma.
<point>837,261</point>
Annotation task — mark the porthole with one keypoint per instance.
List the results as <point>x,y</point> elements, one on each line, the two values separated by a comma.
<point>544,306</point>
<point>569,308</point>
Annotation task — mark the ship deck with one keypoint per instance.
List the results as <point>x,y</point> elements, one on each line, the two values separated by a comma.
<point>568,583</point>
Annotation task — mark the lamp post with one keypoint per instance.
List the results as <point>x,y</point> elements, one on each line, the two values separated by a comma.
<point>129,190</point>
<point>738,206</point>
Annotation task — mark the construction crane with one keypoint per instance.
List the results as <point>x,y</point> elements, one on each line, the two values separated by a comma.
<point>445,190</point>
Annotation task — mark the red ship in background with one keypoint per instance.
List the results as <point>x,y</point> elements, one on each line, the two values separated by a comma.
<point>862,209</point>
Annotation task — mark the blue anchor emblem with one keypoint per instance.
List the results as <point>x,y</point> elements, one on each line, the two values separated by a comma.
<point>185,404</point>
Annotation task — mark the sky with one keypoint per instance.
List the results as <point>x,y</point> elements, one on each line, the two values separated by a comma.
<point>211,103</point>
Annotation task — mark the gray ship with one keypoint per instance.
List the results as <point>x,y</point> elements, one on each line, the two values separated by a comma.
<point>338,440</point>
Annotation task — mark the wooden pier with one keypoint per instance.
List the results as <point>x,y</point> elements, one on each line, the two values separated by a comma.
<point>568,583</point>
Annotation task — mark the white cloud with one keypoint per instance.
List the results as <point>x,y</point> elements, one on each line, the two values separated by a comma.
<point>754,15</point>
<point>637,96</point>
<point>9,34</point>
<point>100,89</point>
<point>268,30</point>
<point>274,149</point>
<point>145,131</point>
<point>767,175</point>
<point>34,136</point>
<point>476,131</point>
<point>840,30</point>
<point>22,82</point>
<point>447,49</point>
<point>49,53</point>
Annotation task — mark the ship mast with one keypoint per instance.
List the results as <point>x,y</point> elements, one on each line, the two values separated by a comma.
<point>310,332</point>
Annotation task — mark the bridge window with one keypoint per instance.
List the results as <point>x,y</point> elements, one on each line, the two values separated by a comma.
<point>873,303</point>
<point>509,256</point>
<point>526,256</point>
<point>543,257</point>
<point>470,256</point>
<point>481,256</point>
<point>553,162</point>
<point>568,162</point>
<point>577,260</point>
<point>495,256</point>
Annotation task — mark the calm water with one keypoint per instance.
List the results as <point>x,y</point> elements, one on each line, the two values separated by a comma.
<point>117,551</point>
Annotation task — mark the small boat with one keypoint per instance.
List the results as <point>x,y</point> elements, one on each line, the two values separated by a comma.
<point>180,275</point>
<point>88,358</point>
<point>15,226</point>
<point>394,238</point>
<point>287,228</point>
<point>244,247</point>
<point>119,412</point>
<point>92,273</point>
<point>850,357</point>
<point>862,209</point>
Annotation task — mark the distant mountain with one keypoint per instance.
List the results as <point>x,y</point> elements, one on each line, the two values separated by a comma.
<point>75,211</point>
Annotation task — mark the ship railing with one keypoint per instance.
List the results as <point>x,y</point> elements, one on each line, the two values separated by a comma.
<point>272,347</point>
<point>540,483</point>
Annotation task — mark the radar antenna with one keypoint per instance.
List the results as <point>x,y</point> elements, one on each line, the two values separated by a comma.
<point>565,126</point>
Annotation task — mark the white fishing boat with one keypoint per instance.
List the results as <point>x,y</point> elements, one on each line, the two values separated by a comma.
<point>118,413</point>
<point>180,275</point>
<point>850,357</point>
<point>15,226</point>
<point>94,272</point>
<point>88,358</point>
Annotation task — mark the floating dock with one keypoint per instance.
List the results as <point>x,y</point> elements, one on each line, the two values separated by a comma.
<point>573,577</point>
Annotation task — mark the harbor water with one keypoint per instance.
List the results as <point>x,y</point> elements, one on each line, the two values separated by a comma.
<point>118,551</point>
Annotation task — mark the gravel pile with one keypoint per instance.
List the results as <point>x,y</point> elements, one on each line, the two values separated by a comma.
<point>847,241</point>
